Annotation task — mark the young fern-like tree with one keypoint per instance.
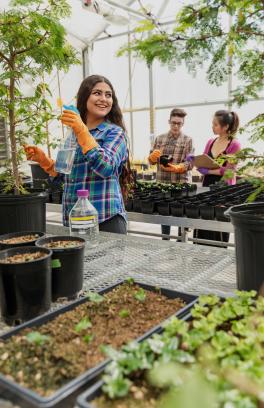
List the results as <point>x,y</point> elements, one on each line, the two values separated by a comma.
<point>227,36</point>
<point>32,43</point>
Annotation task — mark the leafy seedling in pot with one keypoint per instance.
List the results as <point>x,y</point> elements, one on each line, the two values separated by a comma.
<point>83,325</point>
<point>140,295</point>
<point>37,338</point>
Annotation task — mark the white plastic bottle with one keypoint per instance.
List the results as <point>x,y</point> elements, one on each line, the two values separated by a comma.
<point>84,220</point>
<point>67,148</point>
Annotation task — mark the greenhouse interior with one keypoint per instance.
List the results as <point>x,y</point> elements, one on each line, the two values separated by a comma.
<point>131,180</point>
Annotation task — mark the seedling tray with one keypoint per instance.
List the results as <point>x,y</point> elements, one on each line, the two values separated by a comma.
<point>25,395</point>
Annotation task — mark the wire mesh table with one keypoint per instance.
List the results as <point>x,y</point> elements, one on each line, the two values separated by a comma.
<point>184,267</point>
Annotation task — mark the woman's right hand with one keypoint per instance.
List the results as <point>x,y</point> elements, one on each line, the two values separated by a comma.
<point>34,153</point>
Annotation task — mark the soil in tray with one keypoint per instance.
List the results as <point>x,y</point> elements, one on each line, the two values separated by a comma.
<point>47,357</point>
<point>20,240</point>
<point>141,395</point>
<point>23,257</point>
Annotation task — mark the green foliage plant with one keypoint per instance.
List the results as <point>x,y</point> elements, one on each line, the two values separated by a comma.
<point>32,43</point>
<point>218,353</point>
<point>228,37</point>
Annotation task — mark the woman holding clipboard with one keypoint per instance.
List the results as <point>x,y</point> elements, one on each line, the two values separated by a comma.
<point>225,125</point>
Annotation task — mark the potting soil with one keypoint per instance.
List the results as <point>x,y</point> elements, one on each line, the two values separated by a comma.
<point>70,344</point>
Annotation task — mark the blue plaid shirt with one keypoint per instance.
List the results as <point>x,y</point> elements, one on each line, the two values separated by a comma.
<point>98,172</point>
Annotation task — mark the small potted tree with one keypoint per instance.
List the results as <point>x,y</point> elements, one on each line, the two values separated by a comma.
<point>32,42</point>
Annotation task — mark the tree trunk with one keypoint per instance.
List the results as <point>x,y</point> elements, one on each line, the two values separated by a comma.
<point>12,135</point>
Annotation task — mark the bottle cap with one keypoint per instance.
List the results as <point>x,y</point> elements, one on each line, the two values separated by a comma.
<point>82,193</point>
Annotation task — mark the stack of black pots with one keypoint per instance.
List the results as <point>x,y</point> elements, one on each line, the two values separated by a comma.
<point>157,198</point>
<point>181,200</point>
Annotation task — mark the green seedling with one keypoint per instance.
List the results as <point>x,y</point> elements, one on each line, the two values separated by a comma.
<point>83,325</point>
<point>140,295</point>
<point>124,313</point>
<point>88,338</point>
<point>130,281</point>
<point>37,338</point>
<point>95,297</point>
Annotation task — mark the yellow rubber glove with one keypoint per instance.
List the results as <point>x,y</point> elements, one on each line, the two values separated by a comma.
<point>85,139</point>
<point>36,154</point>
<point>174,168</point>
<point>154,156</point>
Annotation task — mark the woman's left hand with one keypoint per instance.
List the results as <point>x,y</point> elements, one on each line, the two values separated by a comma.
<point>73,120</point>
<point>203,170</point>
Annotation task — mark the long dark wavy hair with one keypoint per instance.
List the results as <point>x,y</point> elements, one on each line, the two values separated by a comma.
<point>115,116</point>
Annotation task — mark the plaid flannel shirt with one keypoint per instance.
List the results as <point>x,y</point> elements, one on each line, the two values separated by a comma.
<point>98,172</point>
<point>178,147</point>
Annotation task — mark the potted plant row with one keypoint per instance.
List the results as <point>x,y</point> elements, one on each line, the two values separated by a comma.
<point>69,344</point>
<point>213,357</point>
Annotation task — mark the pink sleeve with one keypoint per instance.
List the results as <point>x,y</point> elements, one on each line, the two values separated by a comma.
<point>234,147</point>
<point>208,145</point>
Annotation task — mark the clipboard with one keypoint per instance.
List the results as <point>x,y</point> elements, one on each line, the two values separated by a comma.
<point>203,160</point>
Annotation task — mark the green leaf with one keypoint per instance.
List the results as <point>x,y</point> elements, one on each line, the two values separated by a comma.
<point>55,263</point>
<point>95,297</point>
<point>124,313</point>
<point>83,325</point>
<point>140,295</point>
<point>37,338</point>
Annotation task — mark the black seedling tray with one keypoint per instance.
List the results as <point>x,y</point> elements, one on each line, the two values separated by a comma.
<point>85,400</point>
<point>32,399</point>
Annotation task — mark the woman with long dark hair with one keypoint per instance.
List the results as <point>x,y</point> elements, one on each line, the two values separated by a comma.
<point>101,162</point>
<point>225,125</point>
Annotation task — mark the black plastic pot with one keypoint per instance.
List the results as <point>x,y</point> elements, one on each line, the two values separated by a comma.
<point>177,209</point>
<point>27,398</point>
<point>39,176</point>
<point>25,212</point>
<point>25,288</point>
<point>19,234</point>
<point>67,266</point>
<point>220,210</point>
<point>207,211</point>
<point>129,204</point>
<point>163,207</point>
<point>248,221</point>
<point>148,206</point>
<point>192,210</point>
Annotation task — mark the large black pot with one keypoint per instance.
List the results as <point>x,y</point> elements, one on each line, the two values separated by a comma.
<point>25,212</point>
<point>25,288</point>
<point>248,221</point>
<point>67,266</point>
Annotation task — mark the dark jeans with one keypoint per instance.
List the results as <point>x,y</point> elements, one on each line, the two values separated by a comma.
<point>166,229</point>
<point>116,224</point>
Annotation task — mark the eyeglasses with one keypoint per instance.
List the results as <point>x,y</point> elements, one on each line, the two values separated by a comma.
<point>179,124</point>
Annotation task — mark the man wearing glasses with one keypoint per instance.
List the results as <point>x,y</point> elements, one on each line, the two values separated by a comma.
<point>176,144</point>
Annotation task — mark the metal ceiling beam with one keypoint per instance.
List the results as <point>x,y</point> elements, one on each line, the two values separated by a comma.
<point>131,31</point>
<point>126,8</point>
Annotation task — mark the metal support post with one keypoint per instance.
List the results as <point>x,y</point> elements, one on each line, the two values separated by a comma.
<point>130,98</point>
<point>151,102</point>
